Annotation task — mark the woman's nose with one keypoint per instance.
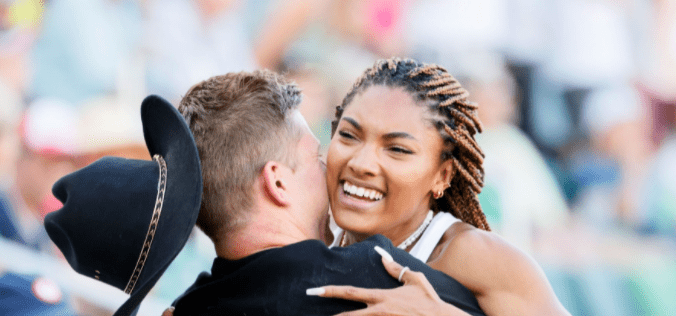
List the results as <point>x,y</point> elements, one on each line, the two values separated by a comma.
<point>364,161</point>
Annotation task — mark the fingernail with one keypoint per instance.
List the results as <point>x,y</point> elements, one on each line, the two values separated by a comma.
<point>383,253</point>
<point>315,291</point>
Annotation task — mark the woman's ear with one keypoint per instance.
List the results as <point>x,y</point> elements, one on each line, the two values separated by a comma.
<point>444,176</point>
<point>273,184</point>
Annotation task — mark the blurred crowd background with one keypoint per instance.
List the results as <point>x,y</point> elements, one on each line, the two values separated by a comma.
<point>578,100</point>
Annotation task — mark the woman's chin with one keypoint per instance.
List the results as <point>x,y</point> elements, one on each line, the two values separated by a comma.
<point>355,222</point>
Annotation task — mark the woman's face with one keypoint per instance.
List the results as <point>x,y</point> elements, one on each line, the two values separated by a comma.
<point>383,164</point>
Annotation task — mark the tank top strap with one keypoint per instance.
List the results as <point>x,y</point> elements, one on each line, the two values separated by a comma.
<point>432,235</point>
<point>337,237</point>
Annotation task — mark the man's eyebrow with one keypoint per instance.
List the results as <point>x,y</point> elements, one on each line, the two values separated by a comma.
<point>353,122</point>
<point>390,136</point>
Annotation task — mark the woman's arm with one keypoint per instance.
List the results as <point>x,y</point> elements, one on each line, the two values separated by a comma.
<point>505,280</point>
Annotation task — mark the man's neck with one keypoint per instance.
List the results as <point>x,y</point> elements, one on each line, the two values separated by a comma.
<point>262,233</point>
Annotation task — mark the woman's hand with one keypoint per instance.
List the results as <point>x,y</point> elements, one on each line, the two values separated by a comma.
<point>415,297</point>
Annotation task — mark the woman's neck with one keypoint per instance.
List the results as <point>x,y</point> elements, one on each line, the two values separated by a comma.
<point>397,236</point>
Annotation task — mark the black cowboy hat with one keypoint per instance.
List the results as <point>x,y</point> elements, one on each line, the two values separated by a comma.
<point>123,221</point>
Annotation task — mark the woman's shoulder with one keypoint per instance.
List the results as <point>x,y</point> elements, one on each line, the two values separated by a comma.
<point>462,241</point>
<point>479,259</point>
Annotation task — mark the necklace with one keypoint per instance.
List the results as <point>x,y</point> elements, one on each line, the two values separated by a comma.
<point>411,239</point>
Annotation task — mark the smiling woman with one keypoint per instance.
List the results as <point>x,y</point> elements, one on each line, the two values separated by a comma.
<point>394,156</point>
<point>416,123</point>
<point>403,163</point>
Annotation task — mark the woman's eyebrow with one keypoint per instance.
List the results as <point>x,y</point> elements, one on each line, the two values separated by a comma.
<point>353,122</point>
<point>394,135</point>
<point>387,136</point>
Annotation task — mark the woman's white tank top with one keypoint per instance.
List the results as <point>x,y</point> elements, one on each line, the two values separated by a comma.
<point>432,235</point>
<point>429,239</point>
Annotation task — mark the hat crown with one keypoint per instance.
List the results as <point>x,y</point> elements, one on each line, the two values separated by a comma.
<point>107,210</point>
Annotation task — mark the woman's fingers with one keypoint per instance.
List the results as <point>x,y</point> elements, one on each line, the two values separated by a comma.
<point>346,292</point>
<point>395,269</point>
<point>375,296</point>
<point>168,312</point>
<point>416,294</point>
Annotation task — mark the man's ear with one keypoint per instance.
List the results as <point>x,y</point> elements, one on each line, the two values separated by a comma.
<point>444,177</point>
<point>273,185</point>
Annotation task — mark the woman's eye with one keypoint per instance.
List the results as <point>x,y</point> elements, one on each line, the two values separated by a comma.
<point>400,150</point>
<point>345,134</point>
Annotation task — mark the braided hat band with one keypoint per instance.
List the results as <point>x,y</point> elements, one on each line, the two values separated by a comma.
<point>150,235</point>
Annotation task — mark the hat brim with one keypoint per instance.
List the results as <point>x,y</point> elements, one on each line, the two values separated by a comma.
<point>167,134</point>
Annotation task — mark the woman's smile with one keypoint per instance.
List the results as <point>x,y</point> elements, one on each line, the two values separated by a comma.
<point>361,192</point>
<point>358,198</point>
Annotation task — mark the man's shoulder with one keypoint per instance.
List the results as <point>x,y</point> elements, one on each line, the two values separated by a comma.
<point>274,281</point>
<point>315,250</point>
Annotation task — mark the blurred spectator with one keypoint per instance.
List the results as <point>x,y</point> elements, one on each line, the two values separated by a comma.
<point>659,68</point>
<point>48,132</point>
<point>526,32</point>
<point>521,198</point>
<point>291,27</point>
<point>19,21</point>
<point>83,46</point>
<point>108,128</point>
<point>658,80</point>
<point>31,295</point>
<point>191,40</point>
<point>612,171</point>
<point>338,38</point>
<point>10,107</point>
<point>658,75</point>
<point>659,195</point>
<point>441,30</point>
<point>590,44</point>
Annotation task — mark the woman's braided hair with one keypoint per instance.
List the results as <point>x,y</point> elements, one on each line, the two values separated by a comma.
<point>457,123</point>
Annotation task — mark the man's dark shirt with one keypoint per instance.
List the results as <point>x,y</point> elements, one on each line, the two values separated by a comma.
<point>273,282</point>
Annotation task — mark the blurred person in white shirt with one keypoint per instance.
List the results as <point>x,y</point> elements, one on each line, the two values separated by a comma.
<point>613,169</point>
<point>190,40</point>
<point>47,152</point>
<point>521,197</point>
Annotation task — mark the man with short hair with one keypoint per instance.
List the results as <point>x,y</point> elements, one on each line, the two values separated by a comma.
<point>253,143</point>
<point>265,207</point>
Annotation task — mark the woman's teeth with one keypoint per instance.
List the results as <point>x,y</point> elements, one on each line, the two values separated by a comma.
<point>361,192</point>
